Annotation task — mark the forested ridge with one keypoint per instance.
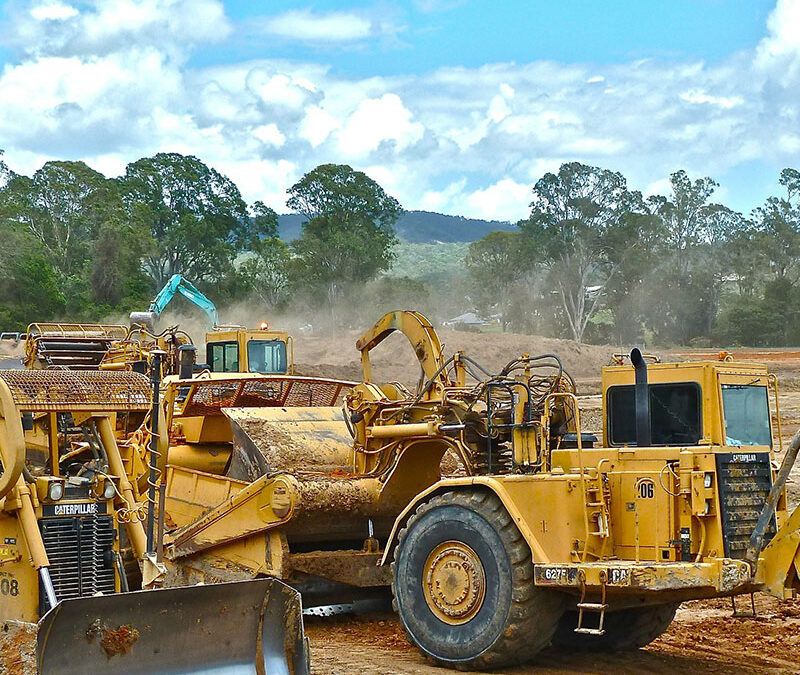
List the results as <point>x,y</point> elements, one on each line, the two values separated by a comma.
<point>594,261</point>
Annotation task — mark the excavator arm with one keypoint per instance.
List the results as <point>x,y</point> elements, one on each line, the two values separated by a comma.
<point>176,284</point>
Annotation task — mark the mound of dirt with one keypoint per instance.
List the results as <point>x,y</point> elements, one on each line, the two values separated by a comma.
<point>394,360</point>
<point>11,349</point>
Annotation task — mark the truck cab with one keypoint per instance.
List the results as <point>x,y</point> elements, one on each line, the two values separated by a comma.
<point>235,349</point>
<point>715,419</point>
<point>693,403</point>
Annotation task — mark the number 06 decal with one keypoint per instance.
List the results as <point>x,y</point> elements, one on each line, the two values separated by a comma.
<point>645,488</point>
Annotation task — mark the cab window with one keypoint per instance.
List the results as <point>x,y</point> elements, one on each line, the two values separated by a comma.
<point>675,414</point>
<point>223,357</point>
<point>746,410</point>
<point>266,356</point>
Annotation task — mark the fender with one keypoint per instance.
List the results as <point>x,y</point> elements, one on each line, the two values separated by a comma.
<point>486,483</point>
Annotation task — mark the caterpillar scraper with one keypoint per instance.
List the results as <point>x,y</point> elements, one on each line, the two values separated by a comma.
<point>78,536</point>
<point>500,525</point>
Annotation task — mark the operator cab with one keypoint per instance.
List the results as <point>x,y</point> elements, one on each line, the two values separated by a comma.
<point>690,404</point>
<point>234,349</point>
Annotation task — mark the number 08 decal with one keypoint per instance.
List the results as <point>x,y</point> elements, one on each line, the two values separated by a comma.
<point>9,587</point>
<point>645,488</point>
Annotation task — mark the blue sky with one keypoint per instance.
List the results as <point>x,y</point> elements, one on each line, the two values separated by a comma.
<point>472,33</point>
<point>457,106</point>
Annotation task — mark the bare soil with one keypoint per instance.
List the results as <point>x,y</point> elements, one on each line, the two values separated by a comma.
<point>704,638</point>
<point>394,359</point>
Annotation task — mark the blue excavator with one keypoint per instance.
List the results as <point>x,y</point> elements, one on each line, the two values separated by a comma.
<point>229,349</point>
<point>176,285</point>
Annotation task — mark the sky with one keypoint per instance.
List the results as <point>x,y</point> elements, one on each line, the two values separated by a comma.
<point>455,106</point>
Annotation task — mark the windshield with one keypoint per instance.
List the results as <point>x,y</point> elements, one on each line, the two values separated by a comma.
<point>266,356</point>
<point>223,357</point>
<point>746,415</point>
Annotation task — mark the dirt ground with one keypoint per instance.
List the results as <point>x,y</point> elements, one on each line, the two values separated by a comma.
<point>705,636</point>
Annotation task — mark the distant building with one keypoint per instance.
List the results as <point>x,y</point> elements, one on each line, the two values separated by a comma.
<point>469,319</point>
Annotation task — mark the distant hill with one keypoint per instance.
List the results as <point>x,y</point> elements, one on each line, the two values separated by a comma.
<point>419,227</point>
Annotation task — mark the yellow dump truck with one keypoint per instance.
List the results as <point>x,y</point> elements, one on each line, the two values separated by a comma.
<point>500,525</point>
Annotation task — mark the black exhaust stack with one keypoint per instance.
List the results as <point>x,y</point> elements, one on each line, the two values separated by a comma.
<point>188,357</point>
<point>641,400</point>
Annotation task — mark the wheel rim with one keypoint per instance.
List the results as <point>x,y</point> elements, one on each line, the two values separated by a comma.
<point>454,582</point>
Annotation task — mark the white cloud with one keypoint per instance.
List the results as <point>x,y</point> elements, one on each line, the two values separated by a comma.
<point>102,27</point>
<point>53,12</point>
<point>700,97</point>
<point>443,200</point>
<point>304,24</point>
<point>270,134</point>
<point>783,35</point>
<point>504,200</point>
<point>280,89</point>
<point>317,125</point>
<point>107,81</point>
<point>376,120</point>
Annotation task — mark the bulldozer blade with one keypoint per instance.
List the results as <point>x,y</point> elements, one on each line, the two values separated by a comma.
<point>231,628</point>
<point>267,440</point>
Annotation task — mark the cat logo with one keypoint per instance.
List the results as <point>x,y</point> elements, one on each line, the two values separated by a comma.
<point>87,509</point>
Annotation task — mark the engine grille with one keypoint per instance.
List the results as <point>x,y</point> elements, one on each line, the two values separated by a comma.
<point>78,549</point>
<point>745,479</point>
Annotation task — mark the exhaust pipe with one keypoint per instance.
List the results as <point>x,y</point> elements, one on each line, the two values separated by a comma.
<point>188,357</point>
<point>641,400</point>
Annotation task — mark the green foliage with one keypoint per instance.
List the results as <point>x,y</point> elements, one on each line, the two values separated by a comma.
<point>196,216</point>
<point>495,264</point>
<point>593,261</point>
<point>336,190</point>
<point>266,272</point>
<point>577,217</point>
<point>27,280</point>
<point>349,236</point>
<point>433,263</point>
<point>57,206</point>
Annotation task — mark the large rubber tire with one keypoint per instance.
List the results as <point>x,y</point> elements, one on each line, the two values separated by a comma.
<point>625,630</point>
<point>515,619</point>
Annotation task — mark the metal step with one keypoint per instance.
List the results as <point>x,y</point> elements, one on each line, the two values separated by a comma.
<point>590,631</point>
<point>592,606</point>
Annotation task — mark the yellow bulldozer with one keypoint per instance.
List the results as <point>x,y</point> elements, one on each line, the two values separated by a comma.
<point>81,456</point>
<point>500,525</point>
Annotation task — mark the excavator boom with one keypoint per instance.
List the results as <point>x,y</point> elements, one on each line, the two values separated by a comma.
<point>176,284</point>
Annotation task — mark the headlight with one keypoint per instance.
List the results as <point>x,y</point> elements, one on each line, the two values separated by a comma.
<point>55,491</point>
<point>108,490</point>
<point>708,479</point>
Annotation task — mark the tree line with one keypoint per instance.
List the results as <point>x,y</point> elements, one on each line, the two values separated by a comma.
<point>594,261</point>
<point>597,261</point>
<point>77,246</point>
